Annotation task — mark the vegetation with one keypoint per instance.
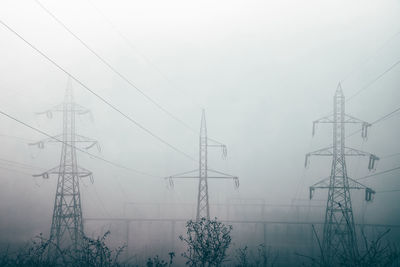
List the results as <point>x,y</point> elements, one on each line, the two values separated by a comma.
<point>207,242</point>
<point>263,258</point>
<point>34,254</point>
<point>42,252</point>
<point>157,262</point>
<point>375,253</point>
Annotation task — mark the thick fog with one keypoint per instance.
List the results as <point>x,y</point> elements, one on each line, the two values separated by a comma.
<point>262,70</point>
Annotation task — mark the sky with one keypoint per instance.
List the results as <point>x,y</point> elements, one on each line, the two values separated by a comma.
<point>262,70</point>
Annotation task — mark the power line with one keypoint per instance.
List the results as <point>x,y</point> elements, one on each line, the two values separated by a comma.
<point>389,191</point>
<point>19,164</point>
<point>387,116</point>
<point>374,80</point>
<point>380,119</point>
<point>372,56</point>
<point>378,173</point>
<point>113,69</point>
<point>16,171</point>
<point>100,201</point>
<point>96,94</point>
<point>16,137</point>
<point>94,202</point>
<point>77,148</point>
<point>134,48</point>
<point>366,61</point>
<point>390,156</point>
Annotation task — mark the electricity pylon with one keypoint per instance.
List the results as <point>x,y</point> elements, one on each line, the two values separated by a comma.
<point>67,225</point>
<point>339,232</point>
<point>203,207</point>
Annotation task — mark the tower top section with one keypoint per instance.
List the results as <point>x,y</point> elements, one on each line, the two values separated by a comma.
<point>339,91</point>
<point>203,126</point>
<point>69,94</point>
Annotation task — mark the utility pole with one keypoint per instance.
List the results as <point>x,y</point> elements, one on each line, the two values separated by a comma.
<point>67,226</point>
<point>339,234</point>
<point>203,207</point>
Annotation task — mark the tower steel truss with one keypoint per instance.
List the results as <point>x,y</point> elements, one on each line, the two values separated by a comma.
<point>339,234</point>
<point>67,226</point>
<point>203,207</point>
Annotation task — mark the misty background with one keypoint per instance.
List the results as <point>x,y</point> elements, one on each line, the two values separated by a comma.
<point>262,70</point>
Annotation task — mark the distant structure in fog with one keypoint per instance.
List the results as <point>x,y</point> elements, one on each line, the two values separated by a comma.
<point>67,225</point>
<point>203,207</point>
<point>339,231</point>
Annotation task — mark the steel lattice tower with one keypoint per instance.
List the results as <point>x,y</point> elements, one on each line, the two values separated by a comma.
<point>339,233</point>
<point>67,225</point>
<point>203,207</point>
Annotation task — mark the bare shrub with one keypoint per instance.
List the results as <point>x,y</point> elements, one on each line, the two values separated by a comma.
<point>264,257</point>
<point>207,242</point>
<point>158,262</point>
<point>375,253</point>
